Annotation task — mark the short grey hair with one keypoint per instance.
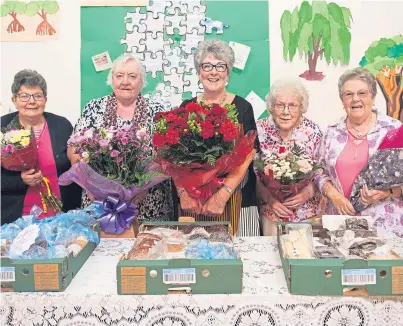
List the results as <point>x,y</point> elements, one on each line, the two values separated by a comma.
<point>293,85</point>
<point>29,78</point>
<point>359,73</point>
<point>219,49</point>
<point>120,62</point>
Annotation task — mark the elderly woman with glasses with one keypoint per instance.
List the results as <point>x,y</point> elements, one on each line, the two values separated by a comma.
<point>124,107</point>
<point>20,191</point>
<point>286,127</point>
<point>349,143</point>
<point>213,61</point>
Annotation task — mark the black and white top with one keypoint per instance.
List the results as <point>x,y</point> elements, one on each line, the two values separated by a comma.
<point>157,205</point>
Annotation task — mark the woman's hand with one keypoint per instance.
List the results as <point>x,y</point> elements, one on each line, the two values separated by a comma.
<point>31,178</point>
<point>299,199</point>
<point>342,204</point>
<point>279,209</point>
<point>215,205</point>
<point>188,203</point>
<point>369,197</point>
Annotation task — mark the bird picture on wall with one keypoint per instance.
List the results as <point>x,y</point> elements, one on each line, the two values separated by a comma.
<point>29,20</point>
<point>384,59</point>
<point>318,30</point>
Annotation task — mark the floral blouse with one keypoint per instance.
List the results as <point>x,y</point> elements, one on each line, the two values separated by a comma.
<point>158,203</point>
<point>307,136</point>
<point>387,213</point>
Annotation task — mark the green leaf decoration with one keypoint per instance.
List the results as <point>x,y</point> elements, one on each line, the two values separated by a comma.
<point>20,7</point>
<point>32,9</point>
<point>51,7</point>
<point>285,25</point>
<point>4,10</point>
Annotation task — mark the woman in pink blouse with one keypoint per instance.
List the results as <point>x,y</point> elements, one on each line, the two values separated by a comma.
<point>286,126</point>
<point>345,150</point>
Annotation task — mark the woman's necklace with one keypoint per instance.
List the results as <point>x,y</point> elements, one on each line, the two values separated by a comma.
<point>360,137</point>
<point>222,100</point>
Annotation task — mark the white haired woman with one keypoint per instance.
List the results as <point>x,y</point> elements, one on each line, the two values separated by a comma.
<point>287,101</point>
<point>213,61</point>
<point>124,107</point>
<point>346,148</point>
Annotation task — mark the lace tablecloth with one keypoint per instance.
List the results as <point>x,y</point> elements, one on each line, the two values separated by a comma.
<point>92,300</point>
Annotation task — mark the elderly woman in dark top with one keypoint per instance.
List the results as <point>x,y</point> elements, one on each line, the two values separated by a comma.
<point>213,61</point>
<point>124,107</point>
<point>20,191</point>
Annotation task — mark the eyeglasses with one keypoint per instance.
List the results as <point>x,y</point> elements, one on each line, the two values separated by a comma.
<point>360,94</point>
<point>24,97</point>
<point>292,107</point>
<point>220,67</point>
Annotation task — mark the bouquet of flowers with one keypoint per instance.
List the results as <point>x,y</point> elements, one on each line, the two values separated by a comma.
<point>198,144</point>
<point>115,166</point>
<point>18,150</point>
<point>19,153</point>
<point>384,169</point>
<point>285,174</point>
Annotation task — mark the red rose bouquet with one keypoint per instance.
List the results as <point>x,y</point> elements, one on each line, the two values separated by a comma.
<point>197,145</point>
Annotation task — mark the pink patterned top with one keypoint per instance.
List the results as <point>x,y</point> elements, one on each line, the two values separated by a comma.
<point>307,135</point>
<point>351,161</point>
<point>387,213</point>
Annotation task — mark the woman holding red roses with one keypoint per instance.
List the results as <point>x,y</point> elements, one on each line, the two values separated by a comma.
<point>214,60</point>
<point>286,126</point>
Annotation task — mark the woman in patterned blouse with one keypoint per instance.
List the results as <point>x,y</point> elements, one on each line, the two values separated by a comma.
<point>285,127</point>
<point>345,150</point>
<point>124,107</point>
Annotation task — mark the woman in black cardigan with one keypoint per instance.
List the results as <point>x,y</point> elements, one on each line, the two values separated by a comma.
<point>20,190</point>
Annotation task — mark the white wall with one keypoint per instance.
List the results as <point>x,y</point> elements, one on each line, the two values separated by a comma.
<point>371,21</point>
<point>59,61</point>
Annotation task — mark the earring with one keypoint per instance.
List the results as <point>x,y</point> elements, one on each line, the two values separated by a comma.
<point>226,83</point>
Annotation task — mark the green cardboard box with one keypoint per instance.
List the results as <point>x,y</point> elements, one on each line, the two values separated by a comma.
<point>42,275</point>
<point>333,277</point>
<point>196,276</point>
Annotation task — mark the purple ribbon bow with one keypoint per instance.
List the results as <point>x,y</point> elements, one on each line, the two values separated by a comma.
<point>118,215</point>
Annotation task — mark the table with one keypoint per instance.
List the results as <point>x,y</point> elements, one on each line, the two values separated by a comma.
<point>92,300</point>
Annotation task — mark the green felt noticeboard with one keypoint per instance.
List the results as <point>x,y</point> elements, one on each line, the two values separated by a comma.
<point>102,28</point>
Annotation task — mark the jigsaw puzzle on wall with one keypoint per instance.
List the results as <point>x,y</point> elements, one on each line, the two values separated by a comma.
<point>164,36</point>
<point>145,30</point>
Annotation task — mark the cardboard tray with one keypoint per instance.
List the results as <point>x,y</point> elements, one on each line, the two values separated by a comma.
<point>197,276</point>
<point>324,276</point>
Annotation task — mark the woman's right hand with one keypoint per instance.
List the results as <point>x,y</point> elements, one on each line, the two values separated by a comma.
<point>31,178</point>
<point>342,204</point>
<point>189,204</point>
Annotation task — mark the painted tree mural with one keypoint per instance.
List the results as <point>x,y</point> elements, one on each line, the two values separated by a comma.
<point>32,8</point>
<point>318,30</point>
<point>384,59</point>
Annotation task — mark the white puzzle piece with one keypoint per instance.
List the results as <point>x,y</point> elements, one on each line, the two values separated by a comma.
<point>192,84</point>
<point>191,41</point>
<point>175,99</point>
<point>214,24</point>
<point>192,4</point>
<point>193,21</point>
<point>174,5</point>
<point>187,62</point>
<point>177,21</point>
<point>175,80</point>
<point>154,45</point>
<point>155,25</point>
<point>135,19</point>
<point>135,42</point>
<point>157,7</point>
<point>153,63</point>
<point>172,61</point>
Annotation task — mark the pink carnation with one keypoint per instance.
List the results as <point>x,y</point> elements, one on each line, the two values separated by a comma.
<point>115,153</point>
